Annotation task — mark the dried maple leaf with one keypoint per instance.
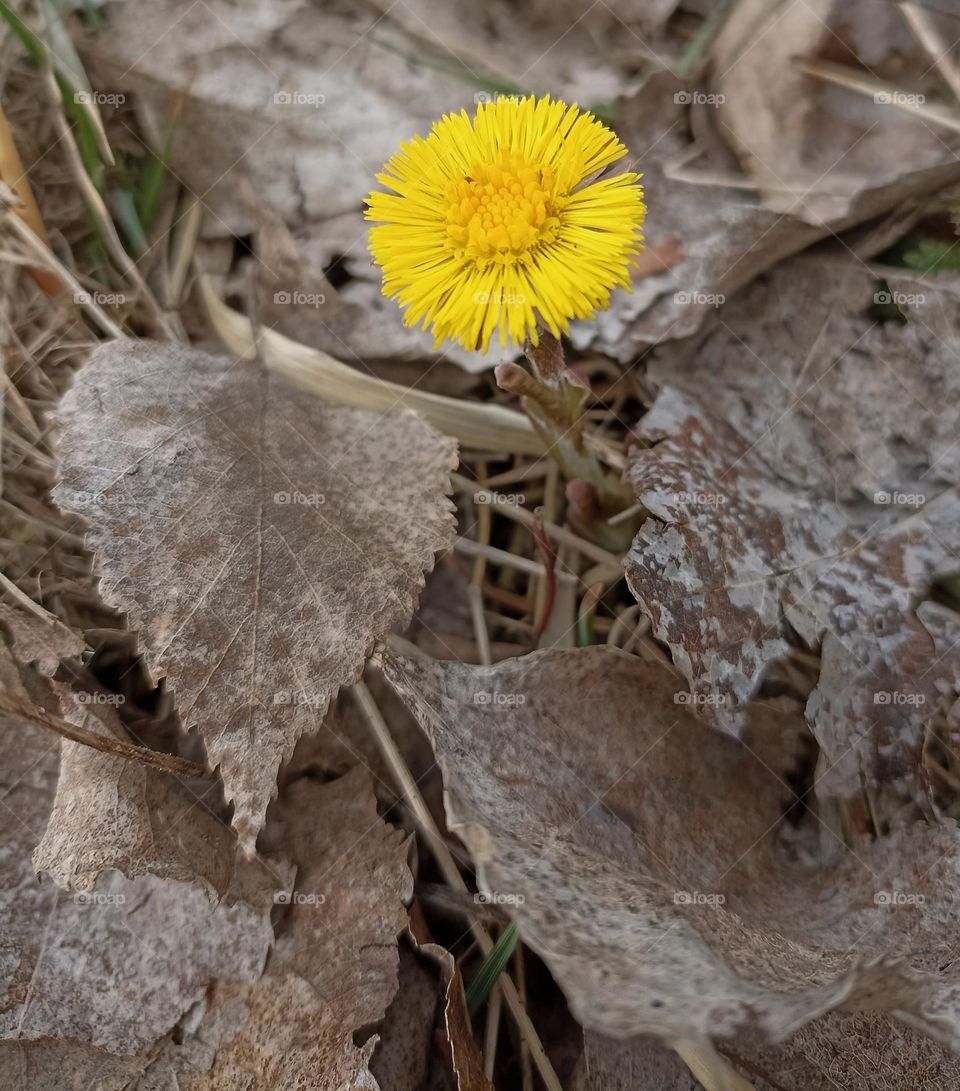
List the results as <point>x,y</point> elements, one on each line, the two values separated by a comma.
<point>731,557</point>
<point>645,855</point>
<point>257,539</point>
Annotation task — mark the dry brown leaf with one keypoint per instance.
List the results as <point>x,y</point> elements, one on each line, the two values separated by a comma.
<point>708,209</point>
<point>70,965</point>
<point>609,1065</point>
<point>810,147</point>
<point>41,642</point>
<point>258,540</point>
<point>49,1065</point>
<point>731,557</point>
<point>402,1058</point>
<point>831,398</point>
<point>646,858</point>
<point>111,813</point>
<point>333,969</point>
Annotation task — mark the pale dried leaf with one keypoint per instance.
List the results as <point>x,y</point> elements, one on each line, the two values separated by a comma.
<point>258,540</point>
<point>352,83</point>
<point>110,813</point>
<point>641,854</point>
<point>813,148</point>
<point>831,398</point>
<point>69,965</point>
<point>333,969</point>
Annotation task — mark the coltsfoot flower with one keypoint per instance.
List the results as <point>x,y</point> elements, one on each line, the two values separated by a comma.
<point>499,222</point>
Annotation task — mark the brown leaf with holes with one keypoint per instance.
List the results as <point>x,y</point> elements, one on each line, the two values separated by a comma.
<point>647,859</point>
<point>731,559</point>
<point>258,540</point>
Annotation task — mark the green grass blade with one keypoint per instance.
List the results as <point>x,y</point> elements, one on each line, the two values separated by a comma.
<point>493,966</point>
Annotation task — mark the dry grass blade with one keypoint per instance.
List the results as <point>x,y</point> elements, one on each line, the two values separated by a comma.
<point>167,762</point>
<point>451,873</point>
<point>480,425</point>
<point>851,78</point>
<point>42,253</point>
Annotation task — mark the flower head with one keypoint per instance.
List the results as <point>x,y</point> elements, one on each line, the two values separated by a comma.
<point>499,222</point>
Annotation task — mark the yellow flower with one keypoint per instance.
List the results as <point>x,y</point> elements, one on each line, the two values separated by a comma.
<point>494,224</point>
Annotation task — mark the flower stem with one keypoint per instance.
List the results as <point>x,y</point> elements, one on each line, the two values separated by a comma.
<point>555,399</point>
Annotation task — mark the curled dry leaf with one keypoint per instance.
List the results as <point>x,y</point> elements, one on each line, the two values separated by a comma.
<point>461,1058</point>
<point>257,539</point>
<point>731,557</point>
<point>402,1058</point>
<point>645,856</point>
<point>701,207</point>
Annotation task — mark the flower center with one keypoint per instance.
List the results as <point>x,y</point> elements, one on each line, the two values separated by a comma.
<point>501,212</point>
